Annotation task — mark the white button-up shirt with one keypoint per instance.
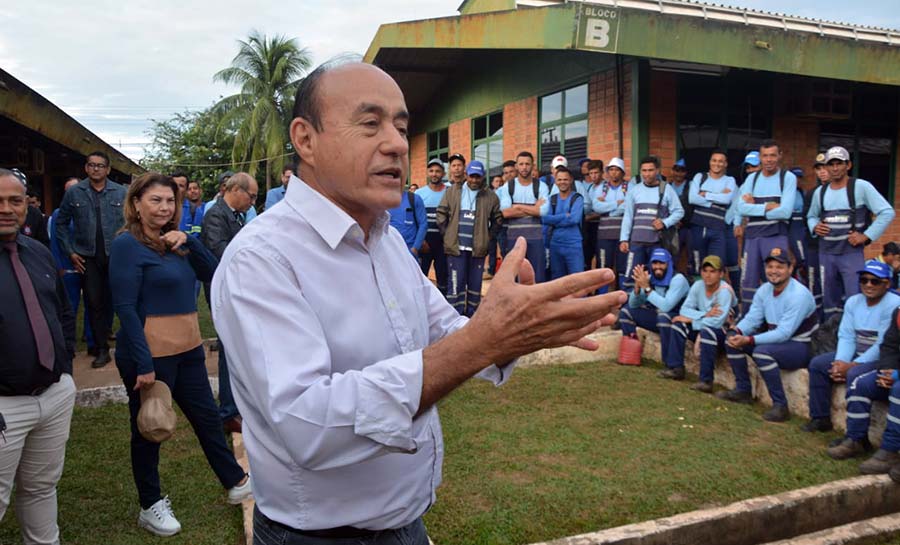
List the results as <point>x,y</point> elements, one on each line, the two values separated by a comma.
<point>324,335</point>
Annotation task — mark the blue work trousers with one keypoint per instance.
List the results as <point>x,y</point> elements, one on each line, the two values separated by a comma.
<point>464,283</point>
<point>565,259</point>
<point>820,383</point>
<point>651,319</point>
<point>769,359</point>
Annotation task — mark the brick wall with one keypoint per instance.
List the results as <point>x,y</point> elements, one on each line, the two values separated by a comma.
<point>893,231</point>
<point>603,116</point>
<point>520,132</point>
<point>663,108</point>
<point>799,143</point>
<point>418,156</point>
<point>460,133</point>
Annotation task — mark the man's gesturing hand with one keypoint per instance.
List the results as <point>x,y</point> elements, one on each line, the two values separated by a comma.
<point>517,318</point>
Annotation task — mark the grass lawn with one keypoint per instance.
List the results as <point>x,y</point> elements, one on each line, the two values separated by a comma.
<point>98,501</point>
<point>564,450</point>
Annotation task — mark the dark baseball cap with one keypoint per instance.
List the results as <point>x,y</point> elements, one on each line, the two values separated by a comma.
<point>780,255</point>
<point>436,162</point>
<point>456,156</point>
<point>225,175</point>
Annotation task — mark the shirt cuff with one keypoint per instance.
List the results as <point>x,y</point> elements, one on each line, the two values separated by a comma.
<point>498,374</point>
<point>388,396</point>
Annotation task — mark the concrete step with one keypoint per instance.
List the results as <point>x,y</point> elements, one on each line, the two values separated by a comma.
<point>761,520</point>
<point>877,530</point>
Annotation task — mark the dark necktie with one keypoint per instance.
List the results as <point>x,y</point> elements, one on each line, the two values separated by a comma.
<point>36,317</point>
<point>239,217</point>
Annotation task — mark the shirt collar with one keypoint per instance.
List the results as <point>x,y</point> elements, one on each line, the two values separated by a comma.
<point>327,218</point>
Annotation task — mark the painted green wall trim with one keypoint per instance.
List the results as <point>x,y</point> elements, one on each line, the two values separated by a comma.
<point>640,113</point>
<point>534,28</point>
<point>470,7</point>
<point>647,34</point>
<point>500,82</point>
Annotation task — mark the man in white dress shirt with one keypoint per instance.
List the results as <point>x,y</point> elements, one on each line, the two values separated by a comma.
<point>341,346</point>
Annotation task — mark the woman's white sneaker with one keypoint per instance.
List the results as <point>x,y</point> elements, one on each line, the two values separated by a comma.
<point>159,519</point>
<point>241,492</point>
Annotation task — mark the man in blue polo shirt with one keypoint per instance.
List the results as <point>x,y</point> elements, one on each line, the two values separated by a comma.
<point>523,202</point>
<point>433,249</point>
<point>787,309</point>
<point>867,315</point>
<point>276,195</point>
<point>766,201</point>
<point>840,220</point>
<point>711,194</point>
<point>564,227</point>
<point>411,220</point>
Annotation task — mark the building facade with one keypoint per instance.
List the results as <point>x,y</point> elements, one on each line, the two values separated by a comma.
<point>674,78</point>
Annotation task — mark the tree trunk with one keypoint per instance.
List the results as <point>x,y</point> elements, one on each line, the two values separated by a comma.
<point>268,178</point>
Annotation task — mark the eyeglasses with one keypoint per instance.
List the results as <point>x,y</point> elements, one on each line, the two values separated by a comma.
<point>97,166</point>
<point>251,195</point>
<point>871,280</point>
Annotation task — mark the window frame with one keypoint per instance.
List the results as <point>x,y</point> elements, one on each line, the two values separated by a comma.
<point>488,139</point>
<point>563,119</point>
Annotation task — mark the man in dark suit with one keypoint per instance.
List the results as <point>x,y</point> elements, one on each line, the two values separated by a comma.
<point>220,224</point>
<point>37,393</point>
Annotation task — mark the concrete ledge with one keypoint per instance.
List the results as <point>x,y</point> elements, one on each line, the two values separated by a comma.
<point>762,519</point>
<point>850,534</point>
<point>104,395</point>
<point>796,387</point>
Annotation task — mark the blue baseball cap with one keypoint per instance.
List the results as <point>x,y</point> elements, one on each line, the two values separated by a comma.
<point>752,159</point>
<point>797,171</point>
<point>661,255</point>
<point>680,164</point>
<point>475,167</point>
<point>877,269</point>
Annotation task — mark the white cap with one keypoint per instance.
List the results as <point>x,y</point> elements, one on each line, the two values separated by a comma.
<point>616,162</point>
<point>559,161</point>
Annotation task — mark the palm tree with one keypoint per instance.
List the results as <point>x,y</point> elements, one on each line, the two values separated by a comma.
<point>268,71</point>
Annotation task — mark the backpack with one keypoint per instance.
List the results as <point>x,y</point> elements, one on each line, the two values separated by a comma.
<point>668,237</point>
<point>851,196</point>
<point>685,199</point>
<point>535,186</point>
<point>412,206</point>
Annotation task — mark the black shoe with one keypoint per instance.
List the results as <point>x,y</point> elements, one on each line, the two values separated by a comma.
<point>102,359</point>
<point>735,396</point>
<point>673,374</point>
<point>817,424</point>
<point>847,448</point>
<point>883,461</point>
<point>700,386</point>
<point>778,413</point>
<point>93,351</point>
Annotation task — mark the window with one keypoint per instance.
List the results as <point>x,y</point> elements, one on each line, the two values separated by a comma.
<point>563,126</point>
<point>731,112</point>
<point>487,142</point>
<point>439,145</point>
<point>869,136</point>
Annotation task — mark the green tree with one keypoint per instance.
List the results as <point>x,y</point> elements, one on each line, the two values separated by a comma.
<point>268,71</point>
<point>195,142</point>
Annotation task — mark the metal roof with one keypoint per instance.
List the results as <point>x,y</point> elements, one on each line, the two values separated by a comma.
<point>747,16</point>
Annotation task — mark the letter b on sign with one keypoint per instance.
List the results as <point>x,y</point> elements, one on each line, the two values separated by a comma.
<point>597,34</point>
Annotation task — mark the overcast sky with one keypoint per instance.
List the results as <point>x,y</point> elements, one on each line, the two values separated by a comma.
<point>116,65</point>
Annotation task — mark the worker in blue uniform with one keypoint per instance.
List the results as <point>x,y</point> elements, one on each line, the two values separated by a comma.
<point>564,226</point>
<point>410,219</point>
<point>711,194</point>
<point>813,270</point>
<point>787,309</point>
<point>705,311</point>
<point>655,300</point>
<point>766,201</point>
<point>879,384</point>
<point>867,315</point>
<point>838,215</point>
<point>433,250</point>
<point>798,234</point>
<point>734,234</point>
<point>678,179</point>
<point>607,208</point>
<point>523,202</point>
<point>650,208</point>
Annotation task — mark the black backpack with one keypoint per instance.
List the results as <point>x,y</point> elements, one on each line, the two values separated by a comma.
<point>535,186</point>
<point>412,206</point>
<point>851,196</point>
<point>685,199</point>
